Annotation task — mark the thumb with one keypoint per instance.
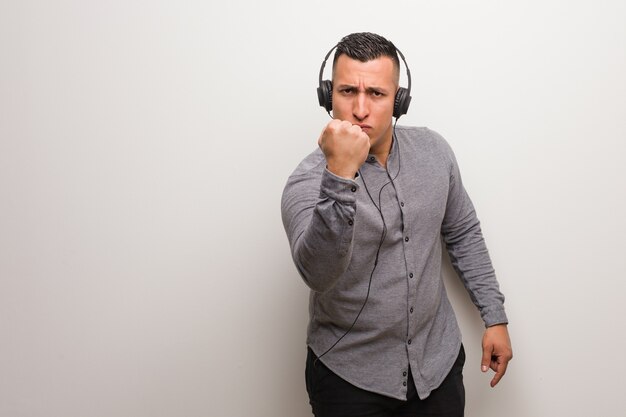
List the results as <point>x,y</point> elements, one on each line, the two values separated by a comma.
<point>486,360</point>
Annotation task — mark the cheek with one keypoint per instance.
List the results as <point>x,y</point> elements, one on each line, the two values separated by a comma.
<point>340,106</point>
<point>385,109</point>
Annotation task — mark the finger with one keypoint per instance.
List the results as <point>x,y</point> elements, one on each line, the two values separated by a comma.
<point>345,125</point>
<point>355,132</point>
<point>494,362</point>
<point>333,126</point>
<point>319,140</point>
<point>486,360</point>
<point>500,371</point>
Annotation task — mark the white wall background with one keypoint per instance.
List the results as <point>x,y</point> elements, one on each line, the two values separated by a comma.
<point>144,145</point>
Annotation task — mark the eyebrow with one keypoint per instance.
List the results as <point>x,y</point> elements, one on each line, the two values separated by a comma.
<point>367,90</point>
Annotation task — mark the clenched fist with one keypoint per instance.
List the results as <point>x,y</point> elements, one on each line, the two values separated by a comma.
<point>345,146</point>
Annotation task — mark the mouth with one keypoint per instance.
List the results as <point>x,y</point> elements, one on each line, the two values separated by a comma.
<point>364,127</point>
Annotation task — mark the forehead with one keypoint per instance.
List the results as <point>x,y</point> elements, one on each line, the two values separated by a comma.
<point>350,71</point>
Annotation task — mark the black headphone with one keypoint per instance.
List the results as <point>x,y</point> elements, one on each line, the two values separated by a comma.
<point>401,102</point>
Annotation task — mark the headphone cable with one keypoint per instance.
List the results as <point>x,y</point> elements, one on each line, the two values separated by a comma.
<point>382,237</point>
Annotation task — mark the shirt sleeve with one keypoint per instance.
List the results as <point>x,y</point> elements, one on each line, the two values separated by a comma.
<point>468,252</point>
<point>318,211</point>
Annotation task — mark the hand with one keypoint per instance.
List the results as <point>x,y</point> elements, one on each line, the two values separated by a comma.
<point>497,351</point>
<point>345,147</point>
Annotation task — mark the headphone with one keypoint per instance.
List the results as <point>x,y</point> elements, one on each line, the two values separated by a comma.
<point>401,101</point>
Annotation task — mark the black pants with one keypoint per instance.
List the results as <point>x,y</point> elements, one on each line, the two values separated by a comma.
<point>331,396</point>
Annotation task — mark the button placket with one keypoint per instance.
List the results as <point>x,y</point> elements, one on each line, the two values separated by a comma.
<point>405,229</point>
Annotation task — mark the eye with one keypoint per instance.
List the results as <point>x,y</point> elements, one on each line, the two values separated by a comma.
<point>346,91</point>
<point>376,93</point>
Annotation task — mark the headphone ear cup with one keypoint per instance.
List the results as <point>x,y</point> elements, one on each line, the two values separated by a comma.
<point>325,94</point>
<point>401,103</point>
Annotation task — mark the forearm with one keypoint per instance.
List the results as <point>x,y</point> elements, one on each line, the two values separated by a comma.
<point>470,258</point>
<point>320,228</point>
<point>468,252</point>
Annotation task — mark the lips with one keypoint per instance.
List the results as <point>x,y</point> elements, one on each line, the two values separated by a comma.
<point>364,126</point>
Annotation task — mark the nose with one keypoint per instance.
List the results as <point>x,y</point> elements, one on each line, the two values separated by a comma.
<point>360,106</point>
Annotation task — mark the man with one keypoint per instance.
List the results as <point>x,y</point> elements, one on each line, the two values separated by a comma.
<point>365,215</point>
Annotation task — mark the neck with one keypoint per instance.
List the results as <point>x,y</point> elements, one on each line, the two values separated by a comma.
<point>381,151</point>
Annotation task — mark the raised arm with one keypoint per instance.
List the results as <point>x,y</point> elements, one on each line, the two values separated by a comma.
<point>319,205</point>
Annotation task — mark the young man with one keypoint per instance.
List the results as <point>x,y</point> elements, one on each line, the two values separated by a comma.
<point>365,215</point>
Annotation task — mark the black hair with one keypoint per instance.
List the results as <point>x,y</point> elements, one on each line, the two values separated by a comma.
<point>366,46</point>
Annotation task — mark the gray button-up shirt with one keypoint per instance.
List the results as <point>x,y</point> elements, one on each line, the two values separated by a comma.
<point>334,228</point>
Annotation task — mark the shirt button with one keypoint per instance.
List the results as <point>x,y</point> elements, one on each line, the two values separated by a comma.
<point>404,373</point>
<point>372,158</point>
<point>411,310</point>
<point>353,189</point>
<point>406,239</point>
<point>404,383</point>
<point>402,204</point>
<point>411,275</point>
<point>409,341</point>
<point>350,222</point>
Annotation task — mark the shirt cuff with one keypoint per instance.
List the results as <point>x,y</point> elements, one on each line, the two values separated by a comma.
<point>338,188</point>
<point>494,316</point>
